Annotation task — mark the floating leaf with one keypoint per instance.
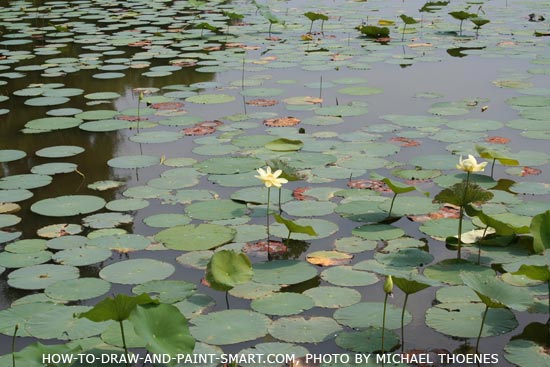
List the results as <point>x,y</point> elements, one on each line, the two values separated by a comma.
<point>301,330</point>
<point>64,206</point>
<point>41,276</point>
<point>226,269</point>
<point>195,237</point>
<point>229,327</point>
<point>282,304</point>
<point>136,271</point>
<point>283,272</point>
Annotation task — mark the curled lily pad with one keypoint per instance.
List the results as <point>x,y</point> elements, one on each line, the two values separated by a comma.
<point>136,271</point>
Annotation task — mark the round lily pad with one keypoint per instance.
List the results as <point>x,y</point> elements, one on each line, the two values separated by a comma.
<point>333,297</point>
<point>354,245</point>
<point>136,271</point>
<point>58,230</point>
<point>166,291</point>
<point>77,289</point>
<point>282,304</point>
<point>406,257</point>
<point>60,323</point>
<point>194,305</point>
<point>323,228</point>
<point>124,205</point>
<point>24,181</point>
<point>301,330</point>
<point>81,256</point>
<point>166,220</point>
<point>54,168</point>
<point>60,151</point>
<point>53,123</point>
<point>22,260</point>
<point>195,237</point>
<point>41,276</point>
<point>366,314</point>
<point>283,272</point>
<point>448,271</point>
<point>526,353</point>
<point>378,232</point>
<point>26,246</point>
<point>133,161</point>
<point>253,290</point>
<point>368,340</point>
<point>64,206</point>
<point>216,210</point>
<point>410,205</point>
<point>9,155</point>
<point>19,315</point>
<point>309,208</point>
<point>346,276</point>
<point>464,320</point>
<point>229,327</point>
<point>15,195</point>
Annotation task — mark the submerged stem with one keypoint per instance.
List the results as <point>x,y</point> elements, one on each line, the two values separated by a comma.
<point>391,205</point>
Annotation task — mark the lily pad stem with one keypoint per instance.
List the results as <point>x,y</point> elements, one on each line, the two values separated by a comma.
<point>481,328</point>
<point>13,345</point>
<point>461,215</point>
<point>403,323</point>
<point>391,205</point>
<point>493,166</point>
<point>124,342</point>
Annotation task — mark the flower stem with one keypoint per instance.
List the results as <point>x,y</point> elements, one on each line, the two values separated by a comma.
<point>481,328</point>
<point>493,167</point>
<point>384,320</point>
<point>461,215</point>
<point>124,343</point>
<point>403,323</point>
<point>267,222</point>
<point>280,210</point>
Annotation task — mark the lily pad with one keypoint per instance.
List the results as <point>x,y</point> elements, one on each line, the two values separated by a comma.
<point>283,272</point>
<point>376,232</point>
<point>210,98</point>
<point>60,151</point>
<point>216,210</point>
<point>448,271</point>
<point>525,353</point>
<point>333,297</point>
<point>81,256</point>
<point>9,155</point>
<point>77,289</point>
<point>348,277</point>
<point>24,181</point>
<point>229,327</point>
<point>304,330</point>
<point>368,340</point>
<point>133,161</point>
<point>195,237</point>
<point>282,304</point>
<point>64,206</point>
<point>366,314</point>
<point>166,291</point>
<point>136,271</point>
<point>41,276</point>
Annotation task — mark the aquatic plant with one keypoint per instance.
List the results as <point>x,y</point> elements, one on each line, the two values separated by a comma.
<point>462,16</point>
<point>388,289</point>
<point>397,189</point>
<point>316,16</point>
<point>294,227</point>
<point>479,22</point>
<point>408,21</point>
<point>372,31</point>
<point>464,193</point>
<point>226,269</point>
<point>270,179</point>
<point>487,153</point>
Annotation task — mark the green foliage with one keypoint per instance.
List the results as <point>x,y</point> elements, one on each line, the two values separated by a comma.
<point>462,194</point>
<point>408,20</point>
<point>163,328</point>
<point>372,31</point>
<point>233,16</point>
<point>540,230</point>
<point>117,308</point>
<point>479,22</point>
<point>226,269</point>
<point>431,6</point>
<point>288,172</point>
<point>535,272</point>
<point>493,154</point>
<point>501,228</point>
<point>410,286</point>
<point>315,16</point>
<point>462,15</point>
<point>397,187</point>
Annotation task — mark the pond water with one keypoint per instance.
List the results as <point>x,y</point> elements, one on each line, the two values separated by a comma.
<point>171,104</point>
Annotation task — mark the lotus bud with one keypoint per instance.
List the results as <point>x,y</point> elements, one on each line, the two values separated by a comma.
<point>388,284</point>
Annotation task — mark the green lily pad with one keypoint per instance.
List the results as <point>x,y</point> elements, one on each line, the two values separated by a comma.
<point>194,305</point>
<point>53,123</point>
<point>283,272</point>
<point>120,242</point>
<point>15,195</point>
<point>166,291</point>
<point>368,340</point>
<point>253,290</point>
<point>216,210</point>
<point>229,165</point>
<point>342,110</point>
<point>21,260</point>
<point>81,256</point>
<point>46,101</point>
<point>77,289</point>
<point>367,314</point>
<point>348,277</point>
<point>54,168</point>
<point>282,304</point>
<point>24,181</point>
<point>229,327</point>
<point>463,320</point>
<point>377,232</point>
<point>410,205</point>
<point>64,206</point>
<point>443,228</point>
<point>322,227</point>
<point>354,245</point>
<point>166,220</point>
<point>60,151</point>
<point>19,315</point>
<point>301,330</point>
<point>136,271</point>
<point>407,257</point>
<point>195,237</point>
<point>309,208</point>
<point>525,353</point>
<point>133,161</point>
<point>10,155</point>
<point>124,205</point>
<point>41,276</point>
<point>333,297</point>
<point>26,246</point>
<point>258,195</point>
<point>448,271</point>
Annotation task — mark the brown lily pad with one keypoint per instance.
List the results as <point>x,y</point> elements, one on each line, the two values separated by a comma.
<point>282,122</point>
<point>497,140</point>
<point>375,185</point>
<point>260,247</point>
<point>262,102</point>
<point>328,258</point>
<point>199,130</point>
<point>167,105</point>
<point>447,211</point>
<point>298,194</point>
<point>530,171</point>
<point>405,142</point>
